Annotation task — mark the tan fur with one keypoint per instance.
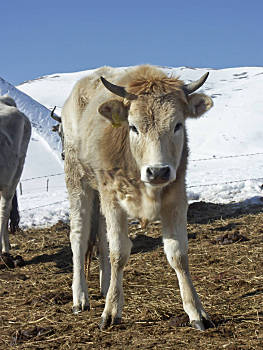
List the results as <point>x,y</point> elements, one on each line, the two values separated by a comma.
<point>149,80</point>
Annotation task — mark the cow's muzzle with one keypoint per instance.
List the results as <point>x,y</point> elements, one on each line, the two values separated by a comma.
<point>158,175</point>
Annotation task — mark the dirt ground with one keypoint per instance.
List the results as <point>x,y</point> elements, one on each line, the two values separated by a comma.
<point>225,253</point>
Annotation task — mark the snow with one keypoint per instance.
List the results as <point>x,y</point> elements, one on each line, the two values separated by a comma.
<point>226,156</point>
<point>42,163</point>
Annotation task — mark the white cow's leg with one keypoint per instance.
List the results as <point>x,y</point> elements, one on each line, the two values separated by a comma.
<point>120,248</point>
<point>80,222</point>
<point>5,208</point>
<point>175,247</point>
<point>105,268</point>
<point>6,198</point>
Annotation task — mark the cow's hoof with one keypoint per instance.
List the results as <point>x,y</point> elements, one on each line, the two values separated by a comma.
<point>117,320</point>
<point>107,322</point>
<point>198,325</point>
<point>79,308</point>
<point>6,260</point>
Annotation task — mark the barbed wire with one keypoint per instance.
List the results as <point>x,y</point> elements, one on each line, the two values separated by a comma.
<point>226,183</point>
<point>194,186</point>
<point>42,177</point>
<point>188,187</point>
<point>191,160</point>
<point>45,205</point>
<point>227,157</point>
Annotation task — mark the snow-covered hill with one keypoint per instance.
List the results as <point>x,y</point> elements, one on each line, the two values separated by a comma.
<point>231,123</point>
<point>225,135</point>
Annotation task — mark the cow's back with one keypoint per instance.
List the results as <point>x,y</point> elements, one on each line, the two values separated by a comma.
<point>83,97</point>
<point>15,132</point>
<point>83,126</point>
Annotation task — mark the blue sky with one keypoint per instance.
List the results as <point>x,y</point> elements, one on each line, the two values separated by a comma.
<point>41,37</point>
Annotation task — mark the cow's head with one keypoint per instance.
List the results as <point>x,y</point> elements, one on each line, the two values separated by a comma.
<point>155,112</point>
<point>59,129</point>
<point>7,100</point>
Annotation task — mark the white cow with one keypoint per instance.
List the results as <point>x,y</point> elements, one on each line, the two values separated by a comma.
<point>15,132</point>
<point>126,146</point>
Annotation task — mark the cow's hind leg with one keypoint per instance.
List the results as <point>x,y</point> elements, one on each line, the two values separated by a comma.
<point>5,208</point>
<point>80,223</point>
<point>175,247</point>
<point>103,248</point>
<point>120,248</point>
<point>98,238</point>
<point>14,215</point>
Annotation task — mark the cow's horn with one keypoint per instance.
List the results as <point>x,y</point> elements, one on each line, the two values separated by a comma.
<point>195,85</point>
<point>117,90</point>
<point>55,117</point>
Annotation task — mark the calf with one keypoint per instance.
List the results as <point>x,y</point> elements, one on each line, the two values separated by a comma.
<point>126,144</point>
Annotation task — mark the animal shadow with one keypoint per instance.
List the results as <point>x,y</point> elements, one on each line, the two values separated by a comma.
<point>205,212</point>
<point>62,259</point>
<point>142,243</point>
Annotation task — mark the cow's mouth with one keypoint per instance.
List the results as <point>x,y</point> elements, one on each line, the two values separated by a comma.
<point>157,183</point>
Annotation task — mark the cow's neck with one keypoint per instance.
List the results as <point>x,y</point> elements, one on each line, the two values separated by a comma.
<point>142,202</point>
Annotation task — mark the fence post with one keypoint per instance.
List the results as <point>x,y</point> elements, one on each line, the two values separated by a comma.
<point>20,187</point>
<point>47,184</point>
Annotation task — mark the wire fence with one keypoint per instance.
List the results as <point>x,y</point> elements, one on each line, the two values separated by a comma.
<point>191,160</point>
<point>192,186</point>
<point>226,183</point>
<point>42,177</point>
<point>227,157</point>
<point>45,205</point>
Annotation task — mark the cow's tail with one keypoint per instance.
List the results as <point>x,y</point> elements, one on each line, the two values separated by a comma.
<point>14,216</point>
<point>94,230</point>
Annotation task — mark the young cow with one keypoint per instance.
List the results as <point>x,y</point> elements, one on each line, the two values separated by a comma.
<point>127,145</point>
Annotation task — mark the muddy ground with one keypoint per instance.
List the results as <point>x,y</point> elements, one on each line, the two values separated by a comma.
<point>225,253</point>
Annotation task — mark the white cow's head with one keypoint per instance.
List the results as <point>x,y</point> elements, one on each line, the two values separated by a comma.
<point>7,100</point>
<point>155,110</point>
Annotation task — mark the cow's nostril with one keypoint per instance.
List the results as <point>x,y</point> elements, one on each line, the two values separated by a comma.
<point>165,172</point>
<point>150,172</point>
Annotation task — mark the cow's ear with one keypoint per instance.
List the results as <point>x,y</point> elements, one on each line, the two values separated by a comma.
<point>114,111</point>
<point>198,104</point>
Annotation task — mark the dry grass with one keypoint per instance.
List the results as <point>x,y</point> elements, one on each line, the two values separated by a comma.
<point>35,300</point>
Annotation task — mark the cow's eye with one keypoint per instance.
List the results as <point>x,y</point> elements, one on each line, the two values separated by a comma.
<point>133,129</point>
<point>178,126</point>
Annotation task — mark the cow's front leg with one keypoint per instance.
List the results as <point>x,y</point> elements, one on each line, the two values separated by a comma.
<point>120,248</point>
<point>80,223</point>
<point>175,247</point>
